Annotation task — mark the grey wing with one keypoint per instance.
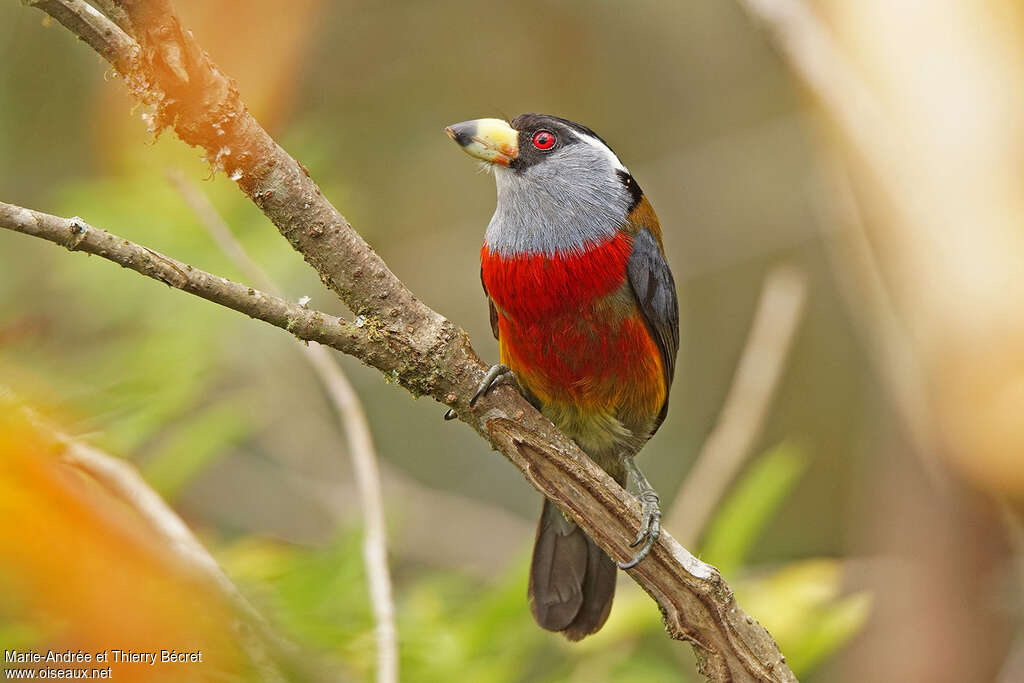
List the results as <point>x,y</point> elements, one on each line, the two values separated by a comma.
<point>655,291</point>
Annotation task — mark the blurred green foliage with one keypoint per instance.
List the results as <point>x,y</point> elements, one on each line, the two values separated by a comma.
<point>455,627</point>
<point>800,603</point>
<point>744,513</point>
<point>223,418</point>
<point>196,444</point>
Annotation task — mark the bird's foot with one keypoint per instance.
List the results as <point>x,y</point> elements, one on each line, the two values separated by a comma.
<point>497,374</point>
<point>650,513</point>
<point>650,528</point>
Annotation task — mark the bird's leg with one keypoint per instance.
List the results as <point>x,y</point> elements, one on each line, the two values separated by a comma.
<point>497,374</point>
<point>650,512</point>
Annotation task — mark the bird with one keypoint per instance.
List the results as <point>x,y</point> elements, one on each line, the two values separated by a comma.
<point>585,311</point>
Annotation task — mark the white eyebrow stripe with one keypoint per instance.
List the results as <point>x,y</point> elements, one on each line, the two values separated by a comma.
<point>594,142</point>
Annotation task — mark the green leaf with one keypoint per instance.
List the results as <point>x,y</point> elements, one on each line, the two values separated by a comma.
<point>195,446</point>
<point>750,505</point>
<point>801,607</point>
<point>834,627</point>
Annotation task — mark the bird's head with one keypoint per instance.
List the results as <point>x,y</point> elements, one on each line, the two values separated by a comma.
<point>560,186</point>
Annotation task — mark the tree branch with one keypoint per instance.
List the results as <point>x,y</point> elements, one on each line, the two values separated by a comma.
<point>265,647</point>
<point>355,427</point>
<point>103,36</point>
<point>413,345</point>
<point>357,338</point>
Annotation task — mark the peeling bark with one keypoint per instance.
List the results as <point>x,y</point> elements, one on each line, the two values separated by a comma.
<point>411,344</point>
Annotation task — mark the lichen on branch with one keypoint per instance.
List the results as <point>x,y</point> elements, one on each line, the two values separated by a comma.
<point>411,344</point>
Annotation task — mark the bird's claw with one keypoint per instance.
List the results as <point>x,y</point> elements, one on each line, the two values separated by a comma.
<point>650,528</point>
<point>495,375</point>
<point>650,512</point>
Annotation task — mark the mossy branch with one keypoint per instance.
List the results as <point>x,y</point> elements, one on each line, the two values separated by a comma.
<point>412,345</point>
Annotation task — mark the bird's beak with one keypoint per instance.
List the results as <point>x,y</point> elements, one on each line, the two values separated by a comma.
<point>491,140</point>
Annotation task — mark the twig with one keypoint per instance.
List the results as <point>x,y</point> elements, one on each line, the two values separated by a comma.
<point>103,36</point>
<point>124,482</point>
<point>357,432</point>
<point>219,230</point>
<point>806,44</point>
<point>364,464</point>
<point>776,321</point>
<point>434,524</point>
<point>418,348</point>
<point>697,605</point>
<point>812,55</point>
<point>77,235</point>
<point>942,155</point>
<point>863,289</point>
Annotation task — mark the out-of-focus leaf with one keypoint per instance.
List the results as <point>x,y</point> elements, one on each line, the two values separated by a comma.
<point>835,627</point>
<point>801,607</point>
<point>318,596</point>
<point>750,505</point>
<point>195,446</point>
<point>475,632</point>
<point>88,575</point>
<point>799,604</point>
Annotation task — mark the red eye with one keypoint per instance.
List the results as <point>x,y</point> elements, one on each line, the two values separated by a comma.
<point>543,139</point>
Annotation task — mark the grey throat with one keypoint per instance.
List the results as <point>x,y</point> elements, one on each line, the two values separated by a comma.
<point>571,199</point>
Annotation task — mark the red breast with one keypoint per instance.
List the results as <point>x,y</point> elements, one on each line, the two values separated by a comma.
<point>528,286</point>
<point>561,335</point>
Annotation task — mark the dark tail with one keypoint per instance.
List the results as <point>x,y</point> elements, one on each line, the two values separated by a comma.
<point>572,581</point>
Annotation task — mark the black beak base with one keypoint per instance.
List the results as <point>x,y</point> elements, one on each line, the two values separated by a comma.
<point>462,133</point>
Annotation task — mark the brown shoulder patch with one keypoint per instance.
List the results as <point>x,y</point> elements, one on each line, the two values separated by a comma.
<point>643,215</point>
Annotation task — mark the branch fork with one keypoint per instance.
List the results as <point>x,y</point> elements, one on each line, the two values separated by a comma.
<point>408,342</point>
